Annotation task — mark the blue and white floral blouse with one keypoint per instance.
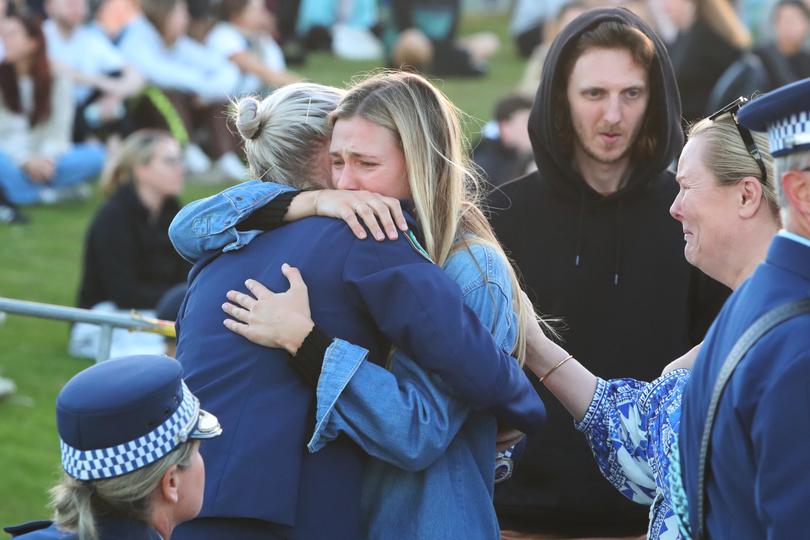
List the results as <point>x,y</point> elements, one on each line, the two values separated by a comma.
<point>632,429</point>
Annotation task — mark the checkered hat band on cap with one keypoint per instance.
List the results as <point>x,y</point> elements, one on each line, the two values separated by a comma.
<point>781,134</point>
<point>130,456</point>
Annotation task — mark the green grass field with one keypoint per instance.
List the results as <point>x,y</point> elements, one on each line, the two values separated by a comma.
<point>41,262</point>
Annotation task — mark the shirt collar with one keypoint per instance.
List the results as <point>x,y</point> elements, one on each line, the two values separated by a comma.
<point>795,237</point>
<point>125,529</point>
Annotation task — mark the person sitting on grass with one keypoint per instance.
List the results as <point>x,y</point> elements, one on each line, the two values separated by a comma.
<point>243,37</point>
<point>196,80</point>
<point>38,163</point>
<point>129,261</point>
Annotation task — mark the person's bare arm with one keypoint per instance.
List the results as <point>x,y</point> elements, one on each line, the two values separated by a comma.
<point>251,63</point>
<point>571,383</point>
<point>128,84</point>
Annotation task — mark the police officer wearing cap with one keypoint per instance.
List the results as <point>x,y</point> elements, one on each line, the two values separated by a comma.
<point>745,427</point>
<point>129,432</point>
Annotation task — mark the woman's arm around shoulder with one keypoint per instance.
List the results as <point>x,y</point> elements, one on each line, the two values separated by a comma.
<point>209,225</point>
<point>232,218</point>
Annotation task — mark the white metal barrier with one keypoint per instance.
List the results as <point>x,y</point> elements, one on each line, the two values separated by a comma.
<point>134,321</point>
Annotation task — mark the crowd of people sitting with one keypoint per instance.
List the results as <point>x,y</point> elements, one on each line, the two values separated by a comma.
<point>72,90</point>
<point>108,68</point>
<point>401,365</point>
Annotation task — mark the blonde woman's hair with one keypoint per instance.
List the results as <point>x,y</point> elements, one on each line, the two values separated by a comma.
<point>76,503</point>
<point>721,17</point>
<point>728,159</point>
<point>136,149</point>
<point>444,185</point>
<point>285,133</point>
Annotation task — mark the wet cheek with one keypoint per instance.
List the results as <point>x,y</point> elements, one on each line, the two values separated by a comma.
<point>335,178</point>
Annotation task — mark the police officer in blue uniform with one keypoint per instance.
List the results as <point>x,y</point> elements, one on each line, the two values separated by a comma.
<point>129,432</point>
<point>758,452</point>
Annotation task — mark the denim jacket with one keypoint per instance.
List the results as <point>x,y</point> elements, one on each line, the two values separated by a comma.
<point>209,225</point>
<point>433,476</point>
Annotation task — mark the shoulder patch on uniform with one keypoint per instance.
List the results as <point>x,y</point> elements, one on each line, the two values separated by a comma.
<point>416,245</point>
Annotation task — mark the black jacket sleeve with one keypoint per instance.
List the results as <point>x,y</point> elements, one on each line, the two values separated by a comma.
<point>269,216</point>
<point>309,360</point>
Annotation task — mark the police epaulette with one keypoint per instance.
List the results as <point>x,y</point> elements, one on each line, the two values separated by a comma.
<point>25,528</point>
<point>416,245</point>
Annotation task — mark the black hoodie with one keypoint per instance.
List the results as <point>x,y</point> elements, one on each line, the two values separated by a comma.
<point>613,268</point>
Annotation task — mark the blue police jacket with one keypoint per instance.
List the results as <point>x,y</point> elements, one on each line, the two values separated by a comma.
<point>367,292</point>
<point>757,485</point>
<point>108,529</point>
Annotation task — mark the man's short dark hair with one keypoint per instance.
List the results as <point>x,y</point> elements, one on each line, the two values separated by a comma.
<point>509,105</point>
<point>609,34</point>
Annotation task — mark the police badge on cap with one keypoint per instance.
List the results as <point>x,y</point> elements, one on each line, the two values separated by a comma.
<point>126,413</point>
<point>784,114</point>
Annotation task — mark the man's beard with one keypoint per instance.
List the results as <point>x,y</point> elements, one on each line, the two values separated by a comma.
<point>600,158</point>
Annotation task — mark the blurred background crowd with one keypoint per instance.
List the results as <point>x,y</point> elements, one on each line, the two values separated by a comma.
<point>78,75</point>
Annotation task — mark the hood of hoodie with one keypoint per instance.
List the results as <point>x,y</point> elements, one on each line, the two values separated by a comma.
<point>663,110</point>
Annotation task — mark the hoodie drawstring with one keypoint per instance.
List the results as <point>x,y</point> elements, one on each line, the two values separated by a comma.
<point>580,226</point>
<point>619,234</point>
<point>618,259</point>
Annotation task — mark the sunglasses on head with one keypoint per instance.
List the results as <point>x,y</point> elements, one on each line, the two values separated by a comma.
<point>745,134</point>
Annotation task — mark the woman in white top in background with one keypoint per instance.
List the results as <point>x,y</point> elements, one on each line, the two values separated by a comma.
<point>38,162</point>
<point>243,36</point>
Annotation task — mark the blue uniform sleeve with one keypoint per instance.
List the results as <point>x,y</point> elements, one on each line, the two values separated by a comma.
<point>422,311</point>
<point>407,417</point>
<point>208,225</point>
<point>781,447</point>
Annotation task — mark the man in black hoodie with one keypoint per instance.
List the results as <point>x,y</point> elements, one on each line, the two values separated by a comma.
<point>591,234</point>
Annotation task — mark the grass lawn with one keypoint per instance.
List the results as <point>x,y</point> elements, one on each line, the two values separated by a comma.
<point>41,262</point>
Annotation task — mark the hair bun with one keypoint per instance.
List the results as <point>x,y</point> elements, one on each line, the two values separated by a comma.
<point>248,121</point>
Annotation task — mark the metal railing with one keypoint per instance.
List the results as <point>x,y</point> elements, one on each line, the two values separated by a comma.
<point>134,321</point>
